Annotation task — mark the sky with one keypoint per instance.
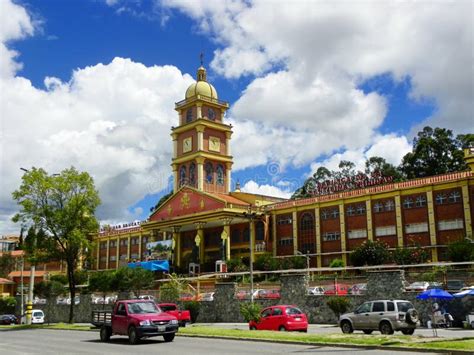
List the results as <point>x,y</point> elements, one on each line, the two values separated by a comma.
<point>92,84</point>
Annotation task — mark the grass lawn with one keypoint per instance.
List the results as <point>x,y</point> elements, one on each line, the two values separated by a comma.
<point>334,339</point>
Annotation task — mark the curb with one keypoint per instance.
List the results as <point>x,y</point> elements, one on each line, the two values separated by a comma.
<point>334,345</point>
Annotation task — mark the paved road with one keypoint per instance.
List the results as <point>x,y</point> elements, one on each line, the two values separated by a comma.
<point>328,328</point>
<point>46,341</point>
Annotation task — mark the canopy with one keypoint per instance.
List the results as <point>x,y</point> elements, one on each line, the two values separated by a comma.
<point>153,265</point>
<point>435,293</point>
<point>465,293</point>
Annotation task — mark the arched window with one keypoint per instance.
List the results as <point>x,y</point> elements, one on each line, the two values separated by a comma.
<point>192,174</point>
<point>182,175</point>
<point>306,222</point>
<point>220,174</point>
<point>454,197</point>
<point>209,173</point>
<point>211,114</point>
<point>189,115</point>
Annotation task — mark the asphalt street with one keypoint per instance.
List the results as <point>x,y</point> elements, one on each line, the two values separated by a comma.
<point>47,341</point>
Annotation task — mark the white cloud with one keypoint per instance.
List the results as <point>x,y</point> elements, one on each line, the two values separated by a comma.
<point>265,189</point>
<point>112,120</point>
<point>310,57</point>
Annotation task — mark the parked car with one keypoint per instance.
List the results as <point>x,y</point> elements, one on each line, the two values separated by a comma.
<point>339,289</point>
<point>242,295</point>
<point>316,290</point>
<point>455,285</point>
<point>207,297</point>
<point>184,317</point>
<point>137,319</point>
<point>37,316</point>
<point>187,297</point>
<point>146,297</point>
<point>358,289</point>
<point>268,294</point>
<point>418,286</point>
<point>282,318</point>
<point>8,319</point>
<point>386,316</point>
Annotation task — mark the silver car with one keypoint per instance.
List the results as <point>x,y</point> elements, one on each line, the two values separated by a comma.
<point>387,316</point>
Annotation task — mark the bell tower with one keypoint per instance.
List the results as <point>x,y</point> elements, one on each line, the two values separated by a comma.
<point>201,141</point>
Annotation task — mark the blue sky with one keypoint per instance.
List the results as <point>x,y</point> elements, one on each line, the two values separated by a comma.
<point>92,83</point>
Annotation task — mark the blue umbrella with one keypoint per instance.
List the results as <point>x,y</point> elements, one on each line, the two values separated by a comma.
<point>435,293</point>
<point>465,293</point>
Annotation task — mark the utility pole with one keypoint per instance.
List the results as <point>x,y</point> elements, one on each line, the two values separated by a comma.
<point>29,305</point>
<point>22,266</point>
<point>250,216</point>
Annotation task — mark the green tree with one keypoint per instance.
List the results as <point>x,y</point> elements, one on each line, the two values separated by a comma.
<point>102,282</point>
<point>7,264</point>
<point>133,279</point>
<point>161,201</point>
<point>49,290</point>
<point>370,253</point>
<point>461,250</point>
<point>250,311</point>
<point>63,206</point>
<point>435,151</point>
<point>339,305</point>
<point>194,307</point>
<point>380,165</point>
<point>266,262</point>
<point>337,263</point>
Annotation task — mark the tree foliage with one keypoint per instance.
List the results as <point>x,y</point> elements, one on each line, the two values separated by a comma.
<point>339,305</point>
<point>102,282</point>
<point>63,206</point>
<point>194,307</point>
<point>133,279</point>
<point>161,201</point>
<point>461,250</point>
<point>250,311</point>
<point>435,151</point>
<point>7,264</point>
<point>370,253</point>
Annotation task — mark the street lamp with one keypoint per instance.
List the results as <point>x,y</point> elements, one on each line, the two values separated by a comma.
<point>250,216</point>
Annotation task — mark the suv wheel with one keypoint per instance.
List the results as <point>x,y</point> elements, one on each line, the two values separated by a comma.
<point>368,331</point>
<point>168,337</point>
<point>346,327</point>
<point>385,328</point>
<point>133,337</point>
<point>408,331</point>
<point>412,316</point>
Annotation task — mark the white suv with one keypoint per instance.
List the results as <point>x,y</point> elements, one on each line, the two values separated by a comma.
<point>386,316</point>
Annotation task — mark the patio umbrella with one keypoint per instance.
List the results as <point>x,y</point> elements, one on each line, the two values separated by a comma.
<point>464,293</point>
<point>434,294</point>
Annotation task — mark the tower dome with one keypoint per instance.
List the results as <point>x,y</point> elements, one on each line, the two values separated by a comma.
<point>201,86</point>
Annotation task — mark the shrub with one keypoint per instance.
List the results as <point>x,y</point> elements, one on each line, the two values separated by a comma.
<point>266,262</point>
<point>339,305</point>
<point>295,262</point>
<point>193,307</point>
<point>370,253</point>
<point>406,256</point>
<point>461,250</point>
<point>250,311</point>
<point>7,305</point>
<point>169,292</point>
<point>236,265</point>
<point>337,263</point>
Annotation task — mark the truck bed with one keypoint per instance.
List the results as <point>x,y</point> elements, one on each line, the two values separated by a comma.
<point>101,318</point>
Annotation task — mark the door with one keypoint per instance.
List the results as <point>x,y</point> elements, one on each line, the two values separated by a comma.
<point>265,320</point>
<point>361,318</point>
<point>378,312</point>
<point>278,318</point>
<point>119,320</point>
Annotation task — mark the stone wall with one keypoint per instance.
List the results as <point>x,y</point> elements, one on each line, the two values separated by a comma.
<point>225,307</point>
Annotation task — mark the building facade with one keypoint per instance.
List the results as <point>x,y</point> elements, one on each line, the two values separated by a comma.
<point>208,222</point>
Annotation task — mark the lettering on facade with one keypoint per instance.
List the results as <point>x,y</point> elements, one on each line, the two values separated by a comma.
<point>358,181</point>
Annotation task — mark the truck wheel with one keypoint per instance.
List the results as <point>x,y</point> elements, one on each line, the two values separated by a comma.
<point>168,337</point>
<point>105,333</point>
<point>408,331</point>
<point>133,337</point>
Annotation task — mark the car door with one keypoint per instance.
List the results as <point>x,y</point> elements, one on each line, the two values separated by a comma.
<point>119,320</point>
<point>278,318</point>
<point>361,316</point>
<point>378,311</point>
<point>265,319</point>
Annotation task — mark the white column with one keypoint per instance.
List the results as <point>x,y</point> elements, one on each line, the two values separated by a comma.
<point>200,173</point>
<point>200,137</point>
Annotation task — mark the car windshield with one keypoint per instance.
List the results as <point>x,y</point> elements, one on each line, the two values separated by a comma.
<point>37,314</point>
<point>142,307</point>
<point>292,310</point>
<point>404,306</point>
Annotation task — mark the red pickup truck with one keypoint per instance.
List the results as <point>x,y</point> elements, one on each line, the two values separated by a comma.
<point>137,319</point>
<point>184,317</point>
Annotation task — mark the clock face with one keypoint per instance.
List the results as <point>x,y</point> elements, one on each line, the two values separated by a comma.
<point>212,114</point>
<point>187,144</point>
<point>214,144</point>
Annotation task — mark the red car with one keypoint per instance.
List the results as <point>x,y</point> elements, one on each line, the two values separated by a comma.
<point>282,318</point>
<point>342,289</point>
<point>268,294</point>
